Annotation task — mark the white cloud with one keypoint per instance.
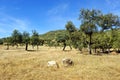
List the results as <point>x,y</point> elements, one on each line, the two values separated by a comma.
<point>9,23</point>
<point>18,23</point>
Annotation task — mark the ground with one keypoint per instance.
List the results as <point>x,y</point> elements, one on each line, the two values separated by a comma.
<point>18,64</point>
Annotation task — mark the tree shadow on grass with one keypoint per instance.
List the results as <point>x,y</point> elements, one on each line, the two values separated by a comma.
<point>31,50</point>
<point>118,52</point>
<point>66,50</point>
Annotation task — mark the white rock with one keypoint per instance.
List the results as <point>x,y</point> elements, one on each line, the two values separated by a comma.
<point>53,64</point>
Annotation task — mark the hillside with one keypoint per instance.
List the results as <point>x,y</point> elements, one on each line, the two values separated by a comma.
<point>52,34</point>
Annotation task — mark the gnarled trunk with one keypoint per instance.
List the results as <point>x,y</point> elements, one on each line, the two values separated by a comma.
<point>90,52</point>
<point>64,46</point>
<point>26,48</point>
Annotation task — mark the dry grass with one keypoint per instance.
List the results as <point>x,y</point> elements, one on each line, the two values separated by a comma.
<point>17,64</point>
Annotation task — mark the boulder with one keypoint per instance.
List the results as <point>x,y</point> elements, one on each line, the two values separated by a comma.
<point>52,64</point>
<point>67,62</point>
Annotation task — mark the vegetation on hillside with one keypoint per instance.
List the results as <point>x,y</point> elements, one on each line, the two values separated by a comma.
<point>52,34</point>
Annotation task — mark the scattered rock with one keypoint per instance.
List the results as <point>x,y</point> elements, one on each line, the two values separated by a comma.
<point>67,62</point>
<point>53,64</point>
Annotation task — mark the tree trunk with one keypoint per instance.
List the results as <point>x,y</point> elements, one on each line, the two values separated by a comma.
<point>90,52</point>
<point>7,46</point>
<point>108,50</point>
<point>64,46</point>
<point>70,47</point>
<point>95,50</point>
<point>26,48</point>
<point>80,49</point>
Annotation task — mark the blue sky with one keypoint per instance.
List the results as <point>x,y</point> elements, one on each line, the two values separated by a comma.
<point>47,15</point>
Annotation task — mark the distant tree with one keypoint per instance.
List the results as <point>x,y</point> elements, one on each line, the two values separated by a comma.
<point>96,40</point>
<point>89,23</point>
<point>1,41</point>
<point>41,42</point>
<point>62,39</point>
<point>26,39</point>
<point>104,41</point>
<point>116,43</point>
<point>7,41</point>
<point>78,40</point>
<point>35,38</point>
<point>70,29</point>
<point>108,21</point>
<point>16,38</point>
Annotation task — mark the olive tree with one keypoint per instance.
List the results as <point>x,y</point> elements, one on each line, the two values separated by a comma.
<point>35,38</point>
<point>70,29</point>
<point>16,38</point>
<point>89,23</point>
<point>26,39</point>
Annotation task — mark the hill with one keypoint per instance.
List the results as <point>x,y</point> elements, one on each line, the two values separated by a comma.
<point>52,34</point>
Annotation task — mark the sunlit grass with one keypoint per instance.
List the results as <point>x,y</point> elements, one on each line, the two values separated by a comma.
<point>18,64</point>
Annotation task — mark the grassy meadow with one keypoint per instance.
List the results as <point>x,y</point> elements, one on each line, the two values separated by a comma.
<point>18,64</point>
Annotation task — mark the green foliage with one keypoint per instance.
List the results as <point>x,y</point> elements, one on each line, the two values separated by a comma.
<point>1,41</point>
<point>88,28</point>
<point>35,38</point>
<point>62,38</point>
<point>52,34</point>
<point>8,41</point>
<point>53,38</point>
<point>77,40</point>
<point>105,40</point>
<point>41,42</point>
<point>108,21</point>
<point>70,27</point>
<point>89,22</point>
<point>16,37</point>
<point>26,37</point>
<point>116,40</point>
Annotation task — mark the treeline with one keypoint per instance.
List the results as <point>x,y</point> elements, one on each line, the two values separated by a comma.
<point>98,32</point>
<point>17,38</point>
